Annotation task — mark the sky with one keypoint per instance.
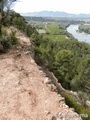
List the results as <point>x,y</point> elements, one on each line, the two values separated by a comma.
<point>69,6</point>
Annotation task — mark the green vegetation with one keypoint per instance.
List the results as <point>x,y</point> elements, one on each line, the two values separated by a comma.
<point>81,110</point>
<point>54,33</point>
<point>8,40</point>
<point>60,53</point>
<point>85,28</point>
<point>69,60</point>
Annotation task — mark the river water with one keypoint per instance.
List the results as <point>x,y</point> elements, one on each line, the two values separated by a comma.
<point>80,36</point>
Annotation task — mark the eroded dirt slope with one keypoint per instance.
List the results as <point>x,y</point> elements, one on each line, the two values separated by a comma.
<point>24,95</point>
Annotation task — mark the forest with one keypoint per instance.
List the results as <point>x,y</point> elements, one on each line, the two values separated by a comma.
<point>65,56</point>
<point>68,59</point>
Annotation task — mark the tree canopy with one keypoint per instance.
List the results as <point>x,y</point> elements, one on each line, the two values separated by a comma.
<point>5,6</point>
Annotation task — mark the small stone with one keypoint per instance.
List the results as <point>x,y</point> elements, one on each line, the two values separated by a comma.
<point>61,99</point>
<point>75,93</point>
<point>18,55</point>
<point>47,81</point>
<point>88,103</point>
<point>45,101</point>
<point>54,118</point>
<point>32,61</point>
<point>53,87</point>
<point>27,53</point>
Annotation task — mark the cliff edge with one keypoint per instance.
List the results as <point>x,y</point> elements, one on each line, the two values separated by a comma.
<point>24,91</point>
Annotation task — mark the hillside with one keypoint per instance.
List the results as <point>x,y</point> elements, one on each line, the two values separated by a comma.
<point>24,93</point>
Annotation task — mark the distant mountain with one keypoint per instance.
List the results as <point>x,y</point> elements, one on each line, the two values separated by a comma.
<point>55,14</point>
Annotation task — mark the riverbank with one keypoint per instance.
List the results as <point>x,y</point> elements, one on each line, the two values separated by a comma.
<point>83,37</point>
<point>85,28</point>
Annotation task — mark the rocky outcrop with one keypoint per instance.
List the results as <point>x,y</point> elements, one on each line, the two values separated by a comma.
<point>55,81</point>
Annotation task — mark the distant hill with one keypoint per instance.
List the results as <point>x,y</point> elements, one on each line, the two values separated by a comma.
<point>55,14</point>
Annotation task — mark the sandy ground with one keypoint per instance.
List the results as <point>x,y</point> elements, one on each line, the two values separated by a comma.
<point>23,92</point>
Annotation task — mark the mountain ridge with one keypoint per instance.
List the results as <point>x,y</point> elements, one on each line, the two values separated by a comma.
<point>55,14</point>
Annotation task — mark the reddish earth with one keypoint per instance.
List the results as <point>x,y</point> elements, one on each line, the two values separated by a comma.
<point>23,93</point>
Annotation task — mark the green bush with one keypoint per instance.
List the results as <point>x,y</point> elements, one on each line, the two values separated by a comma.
<point>83,96</point>
<point>13,38</point>
<point>8,41</point>
<point>71,102</point>
<point>4,32</point>
<point>87,112</point>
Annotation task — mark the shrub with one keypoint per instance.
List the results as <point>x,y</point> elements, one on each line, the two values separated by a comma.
<point>4,32</point>
<point>8,41</point>
<point>71,102</point>
<point>13,38</point>
<point>83,96</point>
<point>86,111</point>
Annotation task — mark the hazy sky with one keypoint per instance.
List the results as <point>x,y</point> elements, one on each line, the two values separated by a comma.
<point>70,6</point>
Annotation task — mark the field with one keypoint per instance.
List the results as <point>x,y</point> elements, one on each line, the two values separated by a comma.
<point>41,31</point>
<point>85,28</point>
<point>51,30</point>
<point>54,32</point>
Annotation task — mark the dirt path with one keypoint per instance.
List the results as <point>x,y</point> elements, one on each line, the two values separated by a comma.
<point>24,95</point>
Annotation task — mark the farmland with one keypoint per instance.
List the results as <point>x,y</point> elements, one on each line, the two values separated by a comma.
<point>53,31</point>
<point>85,28</point>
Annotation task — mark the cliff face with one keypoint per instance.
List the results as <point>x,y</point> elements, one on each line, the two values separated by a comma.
<point>25,93</point>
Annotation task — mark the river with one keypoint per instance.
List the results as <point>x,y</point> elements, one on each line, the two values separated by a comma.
<point>80,36</point>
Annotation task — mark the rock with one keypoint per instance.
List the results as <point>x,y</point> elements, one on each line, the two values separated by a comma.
<point>53,87</point>
<point>87,103</point>
<point>47,81</point>
<point>32,61</point>
<point>75,93</point>
<point>71,91</point>
<point>18,55</point>
<point>27,53</point>
<point>54,118</point>
<point>61,99</point>
<point>17,83</point>
<point>59,95</point>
